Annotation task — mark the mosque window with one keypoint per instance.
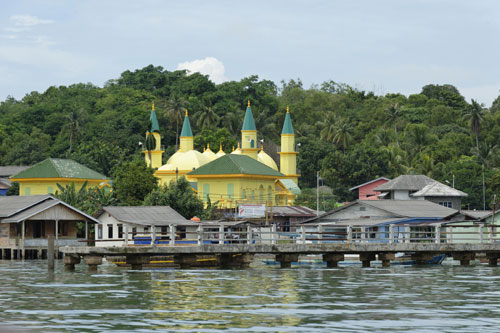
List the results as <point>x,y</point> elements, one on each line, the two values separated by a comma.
<point>252,144</point>
<point>27,191</point>
<point>206,192</point>
<point>269,193</point>
<point>261,193</point>
<point>253,195</point>
<point>50,190</point>
<point>243,194</point>
<point>230,191</point>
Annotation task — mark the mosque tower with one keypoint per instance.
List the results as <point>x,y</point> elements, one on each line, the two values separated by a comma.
<point>156,153</point>
<point>288,155</point>
<point>186,138</point>
<point>249,135</point>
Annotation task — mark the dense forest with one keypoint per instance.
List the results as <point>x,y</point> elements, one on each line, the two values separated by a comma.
<point>349,136</point>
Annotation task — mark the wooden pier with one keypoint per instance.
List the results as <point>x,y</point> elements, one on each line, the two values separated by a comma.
<point>230,251</point>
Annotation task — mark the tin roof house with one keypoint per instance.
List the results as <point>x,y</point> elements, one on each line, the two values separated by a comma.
<point>26,222</point>
<point>420,187</point>
<point>365,190</point>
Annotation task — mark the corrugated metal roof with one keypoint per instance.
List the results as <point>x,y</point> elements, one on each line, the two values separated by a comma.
<point>14,204</point>
<point>438,189</point>
<point>371,181</point>
<point>9,170</point>
<point>477,214</point>
<point>411,208</point>
<point>147,215</point>
<point>5,182</point>
<point>293,211</point>
<point>291,186</point>
<point>406,182</point>
<point>32,210</point>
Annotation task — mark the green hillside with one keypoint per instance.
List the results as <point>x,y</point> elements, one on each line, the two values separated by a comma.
<point>350,136</point>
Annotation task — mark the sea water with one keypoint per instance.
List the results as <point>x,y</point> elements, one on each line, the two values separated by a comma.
<point>258,299</point>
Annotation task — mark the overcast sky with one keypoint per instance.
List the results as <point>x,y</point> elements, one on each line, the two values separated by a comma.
<point>381,46</point>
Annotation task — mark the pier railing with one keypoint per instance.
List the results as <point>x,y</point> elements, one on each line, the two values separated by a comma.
<point>312,234</point>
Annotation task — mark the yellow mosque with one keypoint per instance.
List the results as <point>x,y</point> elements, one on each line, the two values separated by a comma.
<point>247,175</point>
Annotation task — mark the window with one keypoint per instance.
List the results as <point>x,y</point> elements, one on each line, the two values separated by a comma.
<point>269,193</point>
<point>448,204</point>
<point>27,191</point>
<point>362,209</point>
<point>243,194</point>
<point>50,190</point>
<point>120,230</point>
<point>110,231</point>
<point>206,192</point>
<point>99,231</point>
<point>134,232</point>
<point>62,228</point>
<point>253,195</point>
<point>261,193</point>
<point>230,191</point>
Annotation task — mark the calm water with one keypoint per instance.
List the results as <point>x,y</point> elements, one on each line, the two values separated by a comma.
<point>262,299</point>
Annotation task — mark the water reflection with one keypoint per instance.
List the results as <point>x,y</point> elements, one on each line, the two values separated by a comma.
<point>267,299</point>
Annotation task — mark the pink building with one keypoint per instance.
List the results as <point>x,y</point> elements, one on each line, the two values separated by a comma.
<point>366,192</point>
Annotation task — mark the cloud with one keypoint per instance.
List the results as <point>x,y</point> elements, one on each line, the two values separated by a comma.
<point>28,20</point>
<point>209,66</point>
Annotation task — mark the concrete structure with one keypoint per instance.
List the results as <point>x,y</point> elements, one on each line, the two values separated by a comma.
<point>420,187</point>
<point>262,183</point>
<point>365,190</point>
<point>27,222</point>
<point>43,177</point>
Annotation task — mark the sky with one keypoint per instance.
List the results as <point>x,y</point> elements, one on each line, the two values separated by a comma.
<point>384,46</point>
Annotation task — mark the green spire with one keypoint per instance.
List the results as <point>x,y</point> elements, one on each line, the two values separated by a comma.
<point>154,122</point>
<point>248,123</point>
<point>287,125</point>
<point>186,127</point>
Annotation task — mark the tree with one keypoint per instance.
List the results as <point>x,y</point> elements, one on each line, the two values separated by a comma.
<point>133,181</point>
<point>176,106</point>
<point>475,114</point>
<point>74,122</point>
<point>179,196</point>
<point>392,116</point>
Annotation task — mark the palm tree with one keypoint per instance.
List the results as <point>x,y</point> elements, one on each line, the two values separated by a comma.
<point>327,127</point>
<point>397,160</point>
<point>393,114</point>
<point>342,133</point>
<point>475,114</point>
<point>175,112</point>
<point>75,119</point>
<point>207,118</point>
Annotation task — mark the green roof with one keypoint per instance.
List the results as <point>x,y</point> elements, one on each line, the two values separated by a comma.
<point>186,127</point>
<point>291,186</point>
<point>248,123</point>
<point>287,125</point>
<point>235,164</point>
<point>154,122</point>
<point>59,168</point>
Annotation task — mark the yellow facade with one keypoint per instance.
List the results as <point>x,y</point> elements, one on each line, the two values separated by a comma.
<point>37,186</point>
<point>232,190</point>
<point>249,143</point>
<point>156,154</point>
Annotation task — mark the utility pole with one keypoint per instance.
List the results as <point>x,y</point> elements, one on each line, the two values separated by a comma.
<point>317,193</point>
<point>484,192</point>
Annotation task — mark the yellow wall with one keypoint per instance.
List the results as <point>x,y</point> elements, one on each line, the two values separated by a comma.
<point>288,157</point>
<point>247,137</point>
<point>40,186</point>
<point>242,191</point>
<point>186,143</point>
<point>165,177</point>
<point>156,154</point>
